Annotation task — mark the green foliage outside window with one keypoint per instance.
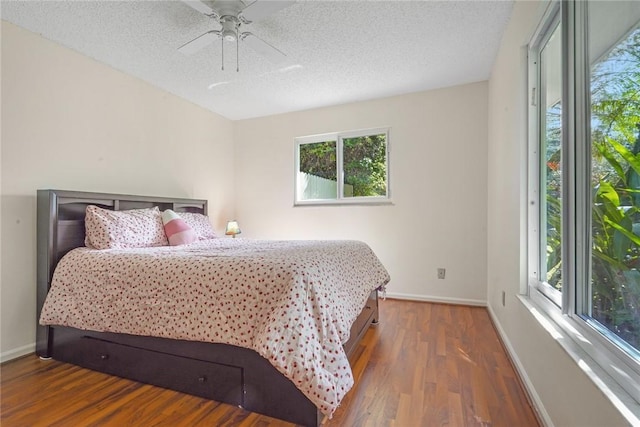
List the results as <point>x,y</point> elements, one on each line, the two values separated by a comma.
<point>615,107</point>
<point>615,184</point>
<point>364,163</point>
<point>365,166</point>
<point>319,159</point>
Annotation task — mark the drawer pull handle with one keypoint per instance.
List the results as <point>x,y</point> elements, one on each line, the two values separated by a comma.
<point>368,307</point>
<point>202,379</point>
<point>104,356</point>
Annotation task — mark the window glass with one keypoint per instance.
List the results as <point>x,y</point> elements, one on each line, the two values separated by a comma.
<point>614,291</point>
<point>317,171</point>
<point>365,166</point>
<point>551,161</point>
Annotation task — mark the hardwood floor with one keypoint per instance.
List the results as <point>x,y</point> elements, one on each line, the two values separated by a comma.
<point>424,365</point>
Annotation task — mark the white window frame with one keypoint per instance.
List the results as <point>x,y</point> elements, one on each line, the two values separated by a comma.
<point>539,40</point>
<point>338,138</point>
<point>613,370</point>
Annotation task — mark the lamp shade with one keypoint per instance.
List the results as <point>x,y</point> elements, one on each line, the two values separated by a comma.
<point>232,228</point>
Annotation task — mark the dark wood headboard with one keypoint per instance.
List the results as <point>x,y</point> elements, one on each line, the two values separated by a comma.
<point>60,228</point>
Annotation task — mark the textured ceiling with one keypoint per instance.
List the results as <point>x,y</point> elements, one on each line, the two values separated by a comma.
<point>337,51</point>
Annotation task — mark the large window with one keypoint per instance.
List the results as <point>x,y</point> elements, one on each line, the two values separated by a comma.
<point>584,217</point>
<point>348,167</point>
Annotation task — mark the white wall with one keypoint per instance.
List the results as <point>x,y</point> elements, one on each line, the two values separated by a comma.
<point>567,396</point>
<point>69,122</point>
<point>438,167</point>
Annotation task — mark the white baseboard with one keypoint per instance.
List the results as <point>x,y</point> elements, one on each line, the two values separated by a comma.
<point>427,298</point>
<point>17,352</point>
<point>543,415</point>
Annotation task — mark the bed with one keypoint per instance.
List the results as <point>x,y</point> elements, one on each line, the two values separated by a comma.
<point>251,378</point>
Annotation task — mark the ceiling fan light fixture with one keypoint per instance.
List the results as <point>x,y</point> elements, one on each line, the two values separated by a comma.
<point>229,36</point>
<point>230,26</point>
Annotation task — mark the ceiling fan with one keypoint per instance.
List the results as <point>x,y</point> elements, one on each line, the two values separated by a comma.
<point>231,15</point>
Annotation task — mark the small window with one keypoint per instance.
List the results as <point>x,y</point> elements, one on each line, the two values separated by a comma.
<point>347,167</point>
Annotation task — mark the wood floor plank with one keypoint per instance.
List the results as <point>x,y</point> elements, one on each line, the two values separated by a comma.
<point>455,410</point>
<point>424,365</point>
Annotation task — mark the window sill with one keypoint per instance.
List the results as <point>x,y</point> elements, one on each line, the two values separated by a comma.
<point>345,202</point>
<point>565,331</point>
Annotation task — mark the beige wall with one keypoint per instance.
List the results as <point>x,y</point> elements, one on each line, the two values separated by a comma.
<point>69,122</point>
<point>565,394</point>
<point>438,160</point>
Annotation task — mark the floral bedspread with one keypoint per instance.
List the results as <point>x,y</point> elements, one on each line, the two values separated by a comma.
<point>291,301</point>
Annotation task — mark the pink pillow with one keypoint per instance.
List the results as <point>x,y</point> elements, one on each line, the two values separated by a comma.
<point>200,224</point>
<point>136,228</point>
<point>178,232</point>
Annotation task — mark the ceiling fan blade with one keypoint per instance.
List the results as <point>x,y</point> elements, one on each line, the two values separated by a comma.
<point>262,8</point>
<point>189,48</point>
<point>200,7</point>
<point>263,48</point>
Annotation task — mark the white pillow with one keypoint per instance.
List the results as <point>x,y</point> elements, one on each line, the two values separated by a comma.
<point>136,228</point>
<point>200,224</point>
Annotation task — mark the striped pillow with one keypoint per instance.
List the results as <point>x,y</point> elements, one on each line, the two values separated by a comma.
<point>178,232</point>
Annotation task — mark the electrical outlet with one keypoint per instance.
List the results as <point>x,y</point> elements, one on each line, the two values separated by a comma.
<point>441,273</point>
<point>504,298</point>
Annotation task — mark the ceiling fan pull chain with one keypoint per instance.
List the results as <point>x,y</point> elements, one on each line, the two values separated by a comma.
<point>237,51</point>
<point>222,44</point>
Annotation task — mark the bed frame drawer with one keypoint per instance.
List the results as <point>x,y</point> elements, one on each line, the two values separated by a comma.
<point>205,379</point>
<point>368,315</point>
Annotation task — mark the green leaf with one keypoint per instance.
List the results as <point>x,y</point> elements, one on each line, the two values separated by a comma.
<point>608,155</point>
<point>621,244</point>
<point>611,201</point>
<point>607,259</point>
<point>635,239</point>
<point>633,160</point>
<point>607,192</point>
